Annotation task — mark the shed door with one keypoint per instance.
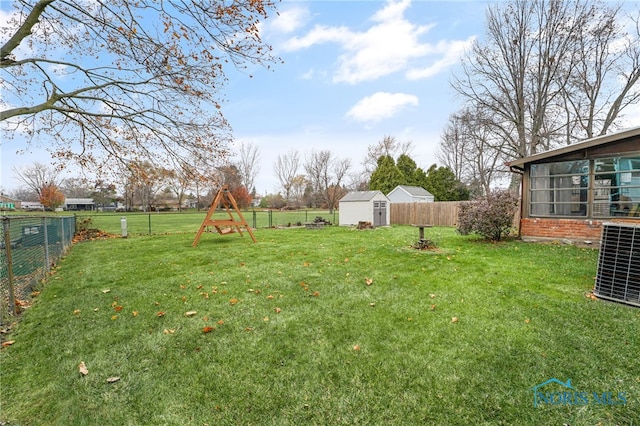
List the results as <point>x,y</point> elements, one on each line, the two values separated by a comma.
<point>379,213</point>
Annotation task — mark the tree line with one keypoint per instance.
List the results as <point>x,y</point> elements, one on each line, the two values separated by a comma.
<point>317,180</point>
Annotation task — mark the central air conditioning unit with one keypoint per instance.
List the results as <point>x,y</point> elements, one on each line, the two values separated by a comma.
<point>618,277</point>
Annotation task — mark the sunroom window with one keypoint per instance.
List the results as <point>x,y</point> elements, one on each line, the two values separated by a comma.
<point>616,189</point>
<point>559,189</point>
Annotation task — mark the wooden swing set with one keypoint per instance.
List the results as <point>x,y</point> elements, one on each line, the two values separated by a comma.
<point>232,224</point>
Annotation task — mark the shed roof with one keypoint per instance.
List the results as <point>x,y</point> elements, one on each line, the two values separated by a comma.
<point>416,191</point>
<point>360,196</point>
<point>589,143</point>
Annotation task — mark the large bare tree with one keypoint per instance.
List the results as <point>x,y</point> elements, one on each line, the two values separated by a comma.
<point>128,80</point>
<point>286,169</point>
<point>248,164</point>
<point>37,176</point>
<point>327,175</point>
<point>387,146</point>
<point>605,79</point>
<point>528,62</point>
<point>472,151</point>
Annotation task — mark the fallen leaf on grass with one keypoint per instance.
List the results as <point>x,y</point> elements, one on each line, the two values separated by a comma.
<point>278,310</point>
<point>233,301</point>
<point>433,296</point>
<point>106,291</point>
<point>454,319</point>
<point>134,313</point>
<point>82,368</point>
<point>76,312</point>
<point>527,321</point>
<point>306,263</point>
<point>369,281</point>
<point>433,307</point>
<point>114,317</point>
<point>190,313</point>
<point>221,322</point>
<point>112,379</point>
<point>169,331</point>
<point>356,347</point>
<point>208,329</point>
<point>117,308</point>
<point>160,314</point>
<point>8,343</point>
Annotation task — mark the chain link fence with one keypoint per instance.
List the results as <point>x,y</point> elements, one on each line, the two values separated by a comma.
<point>29,246</point>
<point>139,223</point>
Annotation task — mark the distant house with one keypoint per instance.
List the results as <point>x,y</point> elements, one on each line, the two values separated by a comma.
<point>7,203</point>
<point>32,205</point>
<point>410,194</point>
<point>570,192</point>
<point>76,204</point>
<point>364,206</point>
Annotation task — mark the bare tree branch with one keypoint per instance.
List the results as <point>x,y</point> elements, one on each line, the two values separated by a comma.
<point>127,81</point>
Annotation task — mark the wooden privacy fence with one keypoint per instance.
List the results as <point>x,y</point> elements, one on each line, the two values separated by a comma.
<point>441,213</point>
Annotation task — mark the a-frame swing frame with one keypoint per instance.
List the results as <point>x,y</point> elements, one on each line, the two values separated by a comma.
<point>228,202</point>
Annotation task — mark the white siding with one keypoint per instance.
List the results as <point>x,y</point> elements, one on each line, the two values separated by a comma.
<point>352,212</point>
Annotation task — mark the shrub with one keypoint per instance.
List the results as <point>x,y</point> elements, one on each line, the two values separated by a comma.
<point>490,216</point>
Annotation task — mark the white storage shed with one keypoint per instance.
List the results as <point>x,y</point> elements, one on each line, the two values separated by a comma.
<point>410,194</point>
<point>365,206</point>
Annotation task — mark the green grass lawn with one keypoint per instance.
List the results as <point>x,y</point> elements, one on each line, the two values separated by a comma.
<point>332,326</point>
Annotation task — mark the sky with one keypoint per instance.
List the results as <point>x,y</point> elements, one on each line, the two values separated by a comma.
<point>354,72</point>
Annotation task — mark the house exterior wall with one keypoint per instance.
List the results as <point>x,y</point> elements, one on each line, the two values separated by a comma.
<point>570,229</point>
<point>398,196</point>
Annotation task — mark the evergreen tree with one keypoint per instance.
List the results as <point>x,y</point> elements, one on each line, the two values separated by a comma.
<point>442,183</point>
<point>386,176</point>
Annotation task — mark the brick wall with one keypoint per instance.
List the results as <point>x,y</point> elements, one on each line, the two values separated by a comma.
<point>571,229</point>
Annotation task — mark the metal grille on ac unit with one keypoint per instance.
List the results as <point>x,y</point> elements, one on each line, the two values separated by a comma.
<point>618,275</point>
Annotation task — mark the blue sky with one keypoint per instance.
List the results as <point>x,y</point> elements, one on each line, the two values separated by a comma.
<point>353,73</point>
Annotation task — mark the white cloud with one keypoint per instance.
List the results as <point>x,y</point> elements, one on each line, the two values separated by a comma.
<point>387,46</point>
<point>289,20</point>
<point>452,51</point>
<point>381,105</point>
<point>319,34</point>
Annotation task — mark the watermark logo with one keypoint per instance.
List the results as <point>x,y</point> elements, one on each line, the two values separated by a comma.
<point>569,395</point>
